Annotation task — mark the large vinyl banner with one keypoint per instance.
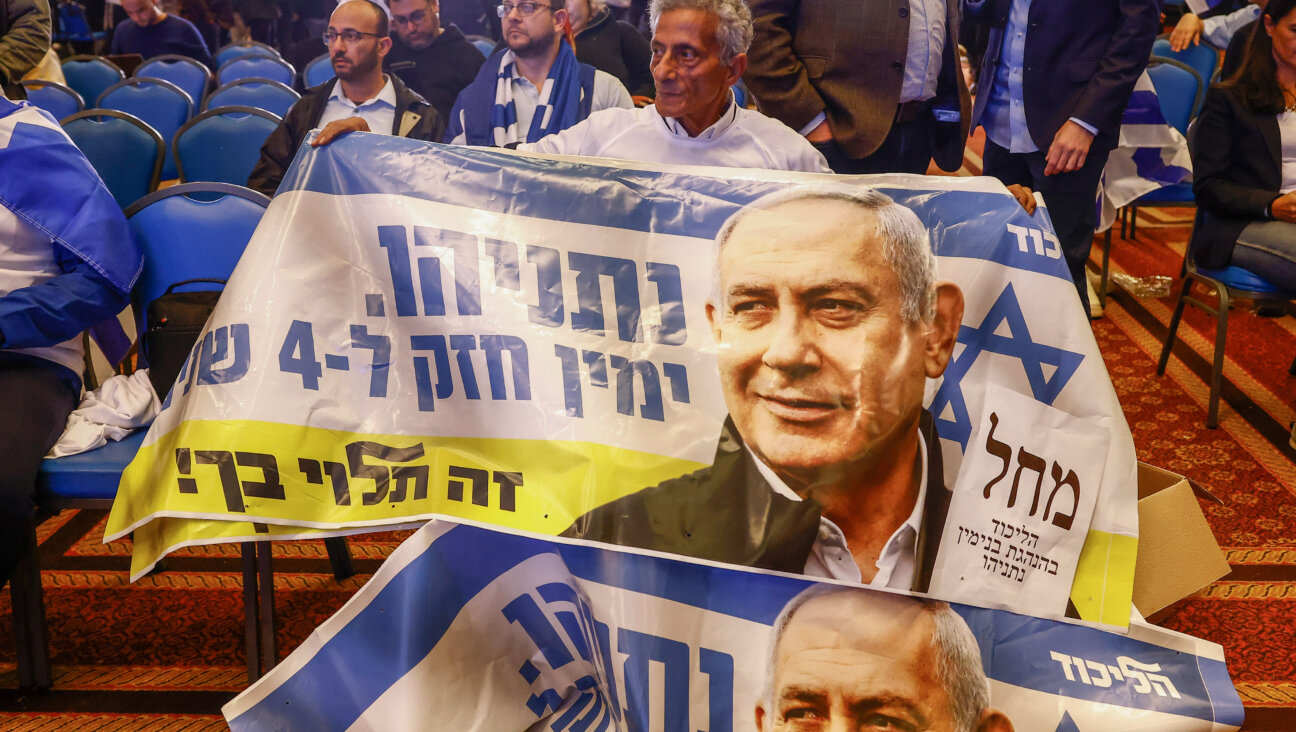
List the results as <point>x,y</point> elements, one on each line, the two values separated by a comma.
<point>468,628</point>
<point>664,357</point>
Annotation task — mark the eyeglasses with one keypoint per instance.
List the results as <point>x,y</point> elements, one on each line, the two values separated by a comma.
<point>526,10</point>
<point>415,18</point>
<point>350,35</point>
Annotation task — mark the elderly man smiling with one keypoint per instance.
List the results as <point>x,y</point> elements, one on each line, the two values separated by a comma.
<point>699,50</point>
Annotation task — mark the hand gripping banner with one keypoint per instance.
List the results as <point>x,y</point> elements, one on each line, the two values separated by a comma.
<point>469,628</point>
<point>664,357</point>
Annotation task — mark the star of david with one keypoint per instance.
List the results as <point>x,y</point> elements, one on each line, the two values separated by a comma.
<point>986,338</point>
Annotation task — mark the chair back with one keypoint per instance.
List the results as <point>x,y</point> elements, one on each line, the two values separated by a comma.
<point>89,76</point>
<point>187,73</point>
<point>243,48</point>
<point>318,71</point>
<point>483,44</point>
<point>162,104</point>
<point>1200,58</point>
<point>58,100</point>
<point>1179,91</point>
<point>267,94</point>
<point>262,67</point>
<point>125,151</point>
<point>222,145</point>
<point>73,25</point>
<point>190,231</point>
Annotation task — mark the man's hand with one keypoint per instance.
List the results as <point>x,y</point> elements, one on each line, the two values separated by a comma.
<point>1024,197</point>
<point>821,133</point>
<point>339,127</point>
<point>1069,149</point>
<point>1188,31</point>
<point>1284,209</point>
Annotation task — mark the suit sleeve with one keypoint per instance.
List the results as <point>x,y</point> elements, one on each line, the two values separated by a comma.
<point>26,41</point>
<point>1213,153</point>
<point>1104,98</point>
<point>775,76</point>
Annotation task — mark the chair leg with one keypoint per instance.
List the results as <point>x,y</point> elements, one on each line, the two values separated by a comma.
<point>30,629</point>
<point>340,557</point>
<point>265,591</point>
<point>1106,265</point>
<point>1133,226</point>
<point>1184,290</point>
<point>251,645</point>
<point>1217,367</point>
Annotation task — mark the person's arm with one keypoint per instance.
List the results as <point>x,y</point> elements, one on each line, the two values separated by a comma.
<point>58,309</point>
<point>570,141</point>
<point>24,45</point>
<point>1213,154</point>
<point>1219,30</point>
<point>637,54</point>
<point>609,92</point>
<point>1187,32</point>
<point>196,48</point>
<point>775,75</point>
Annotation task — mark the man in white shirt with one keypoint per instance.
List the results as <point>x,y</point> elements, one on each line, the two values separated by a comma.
<point>828,321</point>
<point>361,97</point>
<point>1217,30</point>
<point>699,51</point>
<point>534,87</point>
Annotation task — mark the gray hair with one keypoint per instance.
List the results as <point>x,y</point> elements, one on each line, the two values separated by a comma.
<point>733,21</point>
<point>905,245</point>
<point>958,657</point>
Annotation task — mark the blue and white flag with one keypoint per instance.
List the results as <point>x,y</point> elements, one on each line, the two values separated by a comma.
<point>466,628</point>
<point>1151,155</point>
<point>1200,7</point>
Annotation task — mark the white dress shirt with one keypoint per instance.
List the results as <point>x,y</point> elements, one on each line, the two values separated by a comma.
<point>379,113</point>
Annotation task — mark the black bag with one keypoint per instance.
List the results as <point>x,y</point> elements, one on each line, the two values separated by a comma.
<point>174,322</point>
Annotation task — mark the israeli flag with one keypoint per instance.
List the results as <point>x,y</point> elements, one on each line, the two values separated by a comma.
<point>1201,6</point>
<point>1151,155</point>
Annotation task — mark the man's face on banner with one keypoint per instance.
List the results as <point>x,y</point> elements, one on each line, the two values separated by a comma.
<point>819,369</point>
<point>853,662</point>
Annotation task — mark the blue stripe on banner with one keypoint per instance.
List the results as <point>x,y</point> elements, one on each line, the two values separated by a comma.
<point>982,225</point>
<point>1228,710</point>
<point>1046,656</point>
<point>1143,109</point>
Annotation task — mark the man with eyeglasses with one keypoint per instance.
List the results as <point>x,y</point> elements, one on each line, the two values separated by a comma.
<point>360,98</point>
<point>434,61</point>
<point>699,51</point>
<point>533,88</point>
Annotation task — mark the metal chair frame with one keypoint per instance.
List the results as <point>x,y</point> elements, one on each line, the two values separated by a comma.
<point>157,137</point>
<point>247,80</point>
<point>217,112</point>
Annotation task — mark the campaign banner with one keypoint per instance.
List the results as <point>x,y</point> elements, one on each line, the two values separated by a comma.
<point>555,345</point>
<point>470,628</point>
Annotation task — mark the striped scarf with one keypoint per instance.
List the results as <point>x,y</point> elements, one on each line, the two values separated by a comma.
<point>558,107</point>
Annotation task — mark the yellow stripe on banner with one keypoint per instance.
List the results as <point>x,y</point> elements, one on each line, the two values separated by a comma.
<point>239,470</point>
<point>1103,588</point>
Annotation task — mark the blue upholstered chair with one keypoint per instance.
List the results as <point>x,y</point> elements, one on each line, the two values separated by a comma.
<point>188,74</point>
<point>318,71</point>
<point>262,67</point>
<point>90,75</point>
<point>1200,58</point>
<point>162,104</point>
<point>243,48</point>
<point>272,96</point>
<point>124,149</point>
<point>60,101</point>
<point>222,145</point>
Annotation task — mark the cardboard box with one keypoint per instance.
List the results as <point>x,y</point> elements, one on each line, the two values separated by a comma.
<point>1177,553</point>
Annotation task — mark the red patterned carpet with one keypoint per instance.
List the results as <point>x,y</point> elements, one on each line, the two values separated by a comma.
<point>166,652</point>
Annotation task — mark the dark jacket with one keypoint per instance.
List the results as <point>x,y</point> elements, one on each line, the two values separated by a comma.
<point>1082,60</point>
<point>1237,170</point>
<point>728,513</point>
<point>24,38</point>
<point>846,58</point>
<point>617,48</point>
<point>438,72</point>
<point>413,115</point>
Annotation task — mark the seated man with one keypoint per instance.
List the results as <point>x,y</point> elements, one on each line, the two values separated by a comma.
<point>533,88</point>
<point>828,321</point>
<point>1217,30</point>
<point>699,50</point>
<point>151,32</point>
<point>67,262</point>
<point>434,61</point>
<point>360,98</point>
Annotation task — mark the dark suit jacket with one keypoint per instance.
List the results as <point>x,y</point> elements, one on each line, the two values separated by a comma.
<point>846,58</point>
<point>1237,169</point>
<point>1082,59</point>
<point>728,513</point>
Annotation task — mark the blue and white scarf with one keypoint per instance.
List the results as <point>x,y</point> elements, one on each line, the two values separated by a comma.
<point>557,109</point>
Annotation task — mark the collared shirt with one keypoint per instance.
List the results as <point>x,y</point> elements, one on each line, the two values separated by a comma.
<point>1004,118</point>
<point>379,113</point>
<point>831,557</point>
<point>1218,30</point>
<point>927,33</point>
<point>608,92</point>
<point>727,117</point>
